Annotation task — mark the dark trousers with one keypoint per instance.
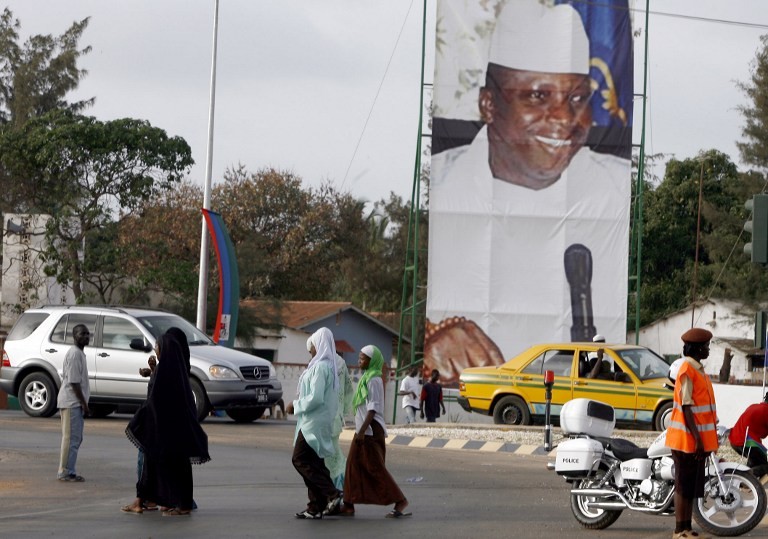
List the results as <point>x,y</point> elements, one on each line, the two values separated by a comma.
<point>756,459</point>
<point>320,487</point>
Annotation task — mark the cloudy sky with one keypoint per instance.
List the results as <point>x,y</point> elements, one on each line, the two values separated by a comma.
<point>329,89</point>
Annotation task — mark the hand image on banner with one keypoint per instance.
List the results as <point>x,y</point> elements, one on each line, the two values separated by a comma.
<point>547,170</point>
<point>229,280</point>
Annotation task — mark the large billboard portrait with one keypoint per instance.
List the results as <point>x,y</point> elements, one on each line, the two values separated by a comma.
<point>530,185</point>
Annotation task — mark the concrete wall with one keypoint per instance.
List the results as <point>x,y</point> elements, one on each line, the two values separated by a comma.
<point>730,325</point>
<point>289,377</point>
<point>24,283</point>
<point>731,400</point>
<point>722,318</point>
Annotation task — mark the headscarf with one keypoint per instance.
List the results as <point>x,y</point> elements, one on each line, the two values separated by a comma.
<point>166,425</point>
<point>375,367</point>
<point>182,338</point>
<point>325,350</point>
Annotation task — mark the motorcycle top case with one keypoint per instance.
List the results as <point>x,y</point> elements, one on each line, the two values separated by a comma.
<point>577,457</point>
<point>587,416</point>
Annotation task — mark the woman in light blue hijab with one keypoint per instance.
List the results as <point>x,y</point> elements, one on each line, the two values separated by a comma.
<point>315,409</point>
<point>337,462</point>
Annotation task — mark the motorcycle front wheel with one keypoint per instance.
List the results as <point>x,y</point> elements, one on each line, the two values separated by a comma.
<point>733,512</point>
<point>592,518</point>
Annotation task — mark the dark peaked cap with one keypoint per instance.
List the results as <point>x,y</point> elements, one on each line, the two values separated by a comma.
<point>697,335</point>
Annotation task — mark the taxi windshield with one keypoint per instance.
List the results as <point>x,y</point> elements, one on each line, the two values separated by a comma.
<point>645,363</point>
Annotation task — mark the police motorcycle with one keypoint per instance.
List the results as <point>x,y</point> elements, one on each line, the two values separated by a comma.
<point>608,475</point>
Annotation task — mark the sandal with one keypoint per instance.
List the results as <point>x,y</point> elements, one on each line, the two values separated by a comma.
<point>149,506</point>
<point>132,509</point>
<point>397,514</point>
<point>176,512</point>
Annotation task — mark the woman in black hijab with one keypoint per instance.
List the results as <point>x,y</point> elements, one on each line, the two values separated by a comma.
<point>167,430</point>
<point>182,338</point>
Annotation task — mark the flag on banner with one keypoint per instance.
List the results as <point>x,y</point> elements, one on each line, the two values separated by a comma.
<point>229,280</point>
<point>608,26</point>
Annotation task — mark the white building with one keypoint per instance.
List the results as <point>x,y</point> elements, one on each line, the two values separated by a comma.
<point>732,326</point>
<point>24,283</point>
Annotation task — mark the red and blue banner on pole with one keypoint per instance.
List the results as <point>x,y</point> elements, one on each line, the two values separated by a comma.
<point>229,280</point>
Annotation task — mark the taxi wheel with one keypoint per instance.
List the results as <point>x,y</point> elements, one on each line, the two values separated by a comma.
<point>511,411</point>
<point>662,417</point>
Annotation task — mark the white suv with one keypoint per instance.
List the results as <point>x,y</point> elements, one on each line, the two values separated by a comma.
<point>122,340</point>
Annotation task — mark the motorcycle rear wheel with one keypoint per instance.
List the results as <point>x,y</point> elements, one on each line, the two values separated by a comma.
<point>590,517</point>
<point>740,509</point>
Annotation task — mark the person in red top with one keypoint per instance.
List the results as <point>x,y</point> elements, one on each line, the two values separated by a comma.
<point>746,438</point>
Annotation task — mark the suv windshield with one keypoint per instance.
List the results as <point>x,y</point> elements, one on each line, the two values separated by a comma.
<point>159,324</point>
<point>644,363</point>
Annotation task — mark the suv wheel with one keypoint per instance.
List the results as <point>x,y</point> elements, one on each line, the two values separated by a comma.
<point>37,395</point>
<point>201,400</point>
<point>246,415</point>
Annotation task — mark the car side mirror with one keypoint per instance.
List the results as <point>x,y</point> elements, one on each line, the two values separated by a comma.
<point>138,344</point>
<point>622,377</point>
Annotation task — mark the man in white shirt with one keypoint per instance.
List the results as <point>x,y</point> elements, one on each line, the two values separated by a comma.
<point>73,403</point>
<point>410,390</point>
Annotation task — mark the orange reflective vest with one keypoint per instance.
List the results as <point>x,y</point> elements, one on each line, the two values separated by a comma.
<point>704,413</point>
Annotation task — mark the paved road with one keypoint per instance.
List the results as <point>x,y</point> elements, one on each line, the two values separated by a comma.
<point>250,489</point>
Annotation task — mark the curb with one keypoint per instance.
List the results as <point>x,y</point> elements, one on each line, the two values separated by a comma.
<point>422,442</point>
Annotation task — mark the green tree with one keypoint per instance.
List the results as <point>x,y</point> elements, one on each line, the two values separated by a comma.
<point>160,248</point>
<point>754,150</point>
<point>290,240</point>
<point>83,172</point>
<point>375,280</point>
<point>36,76</point>
<point>669,239</point>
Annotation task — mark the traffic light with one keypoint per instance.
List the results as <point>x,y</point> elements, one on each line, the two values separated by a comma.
<point>758,227</point>
<point>761,321</point>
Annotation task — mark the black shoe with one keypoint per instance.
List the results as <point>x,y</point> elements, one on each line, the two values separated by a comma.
<point>309,515</point>
<point>72,478</point>
<point>333,507</point>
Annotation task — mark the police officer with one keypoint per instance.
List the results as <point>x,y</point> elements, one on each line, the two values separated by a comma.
<point>692,432</point>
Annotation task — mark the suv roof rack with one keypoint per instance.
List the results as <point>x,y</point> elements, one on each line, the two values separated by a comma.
<point>119,308</point>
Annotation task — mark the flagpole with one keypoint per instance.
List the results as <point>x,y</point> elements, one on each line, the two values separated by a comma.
<point>202,286</point>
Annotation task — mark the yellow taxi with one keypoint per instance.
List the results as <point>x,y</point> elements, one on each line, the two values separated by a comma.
<point>630,378</point>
